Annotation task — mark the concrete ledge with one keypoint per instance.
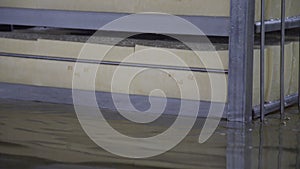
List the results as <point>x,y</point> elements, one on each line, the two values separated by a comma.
<point>104,99</point>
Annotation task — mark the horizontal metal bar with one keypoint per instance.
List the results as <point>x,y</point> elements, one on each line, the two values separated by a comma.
<point>275,105</point>
<point>275,24</point>
<point>152,66</point>
<point>209,25</point>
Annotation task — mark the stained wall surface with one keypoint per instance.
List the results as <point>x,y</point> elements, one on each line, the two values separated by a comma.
<point>61,73</point>
<point>176,7</point>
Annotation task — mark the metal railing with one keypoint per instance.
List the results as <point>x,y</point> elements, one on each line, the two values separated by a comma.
<point>283,103</point>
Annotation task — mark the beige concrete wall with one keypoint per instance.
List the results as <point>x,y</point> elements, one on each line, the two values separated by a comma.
<point>182,7</point>
<point>115,53</point>
<point>177,7</point>
<point>273,9</point>
<point>64,49</point>
<point>295,69</point>
<point>60,74</point>
<point>272,72</point>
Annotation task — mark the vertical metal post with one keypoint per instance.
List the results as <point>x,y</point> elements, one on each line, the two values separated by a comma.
<point>282,95</point>
<point>262,62</point>
<point>299,74</point>
<point>240,75</point>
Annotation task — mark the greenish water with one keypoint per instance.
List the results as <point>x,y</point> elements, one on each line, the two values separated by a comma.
<point>41,135</point>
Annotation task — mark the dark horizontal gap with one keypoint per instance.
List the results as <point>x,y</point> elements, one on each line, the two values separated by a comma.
<point>202,43</point>
<point>50,58</point>
<point>273,38</point>
<point>84,32</point>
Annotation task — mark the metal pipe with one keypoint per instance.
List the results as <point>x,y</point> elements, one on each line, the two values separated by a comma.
<point>114,63</point>
<point>262,62</point>
<point>282,59</point>
<point>274,106</point>
<point>274,24</point>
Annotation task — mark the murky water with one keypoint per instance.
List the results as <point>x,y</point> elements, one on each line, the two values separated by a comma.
<point>42,135</point>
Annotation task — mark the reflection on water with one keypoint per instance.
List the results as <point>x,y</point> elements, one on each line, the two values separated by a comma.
<point>42,135</point>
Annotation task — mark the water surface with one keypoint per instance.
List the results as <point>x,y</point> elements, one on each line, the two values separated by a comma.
<point>36,135</point>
